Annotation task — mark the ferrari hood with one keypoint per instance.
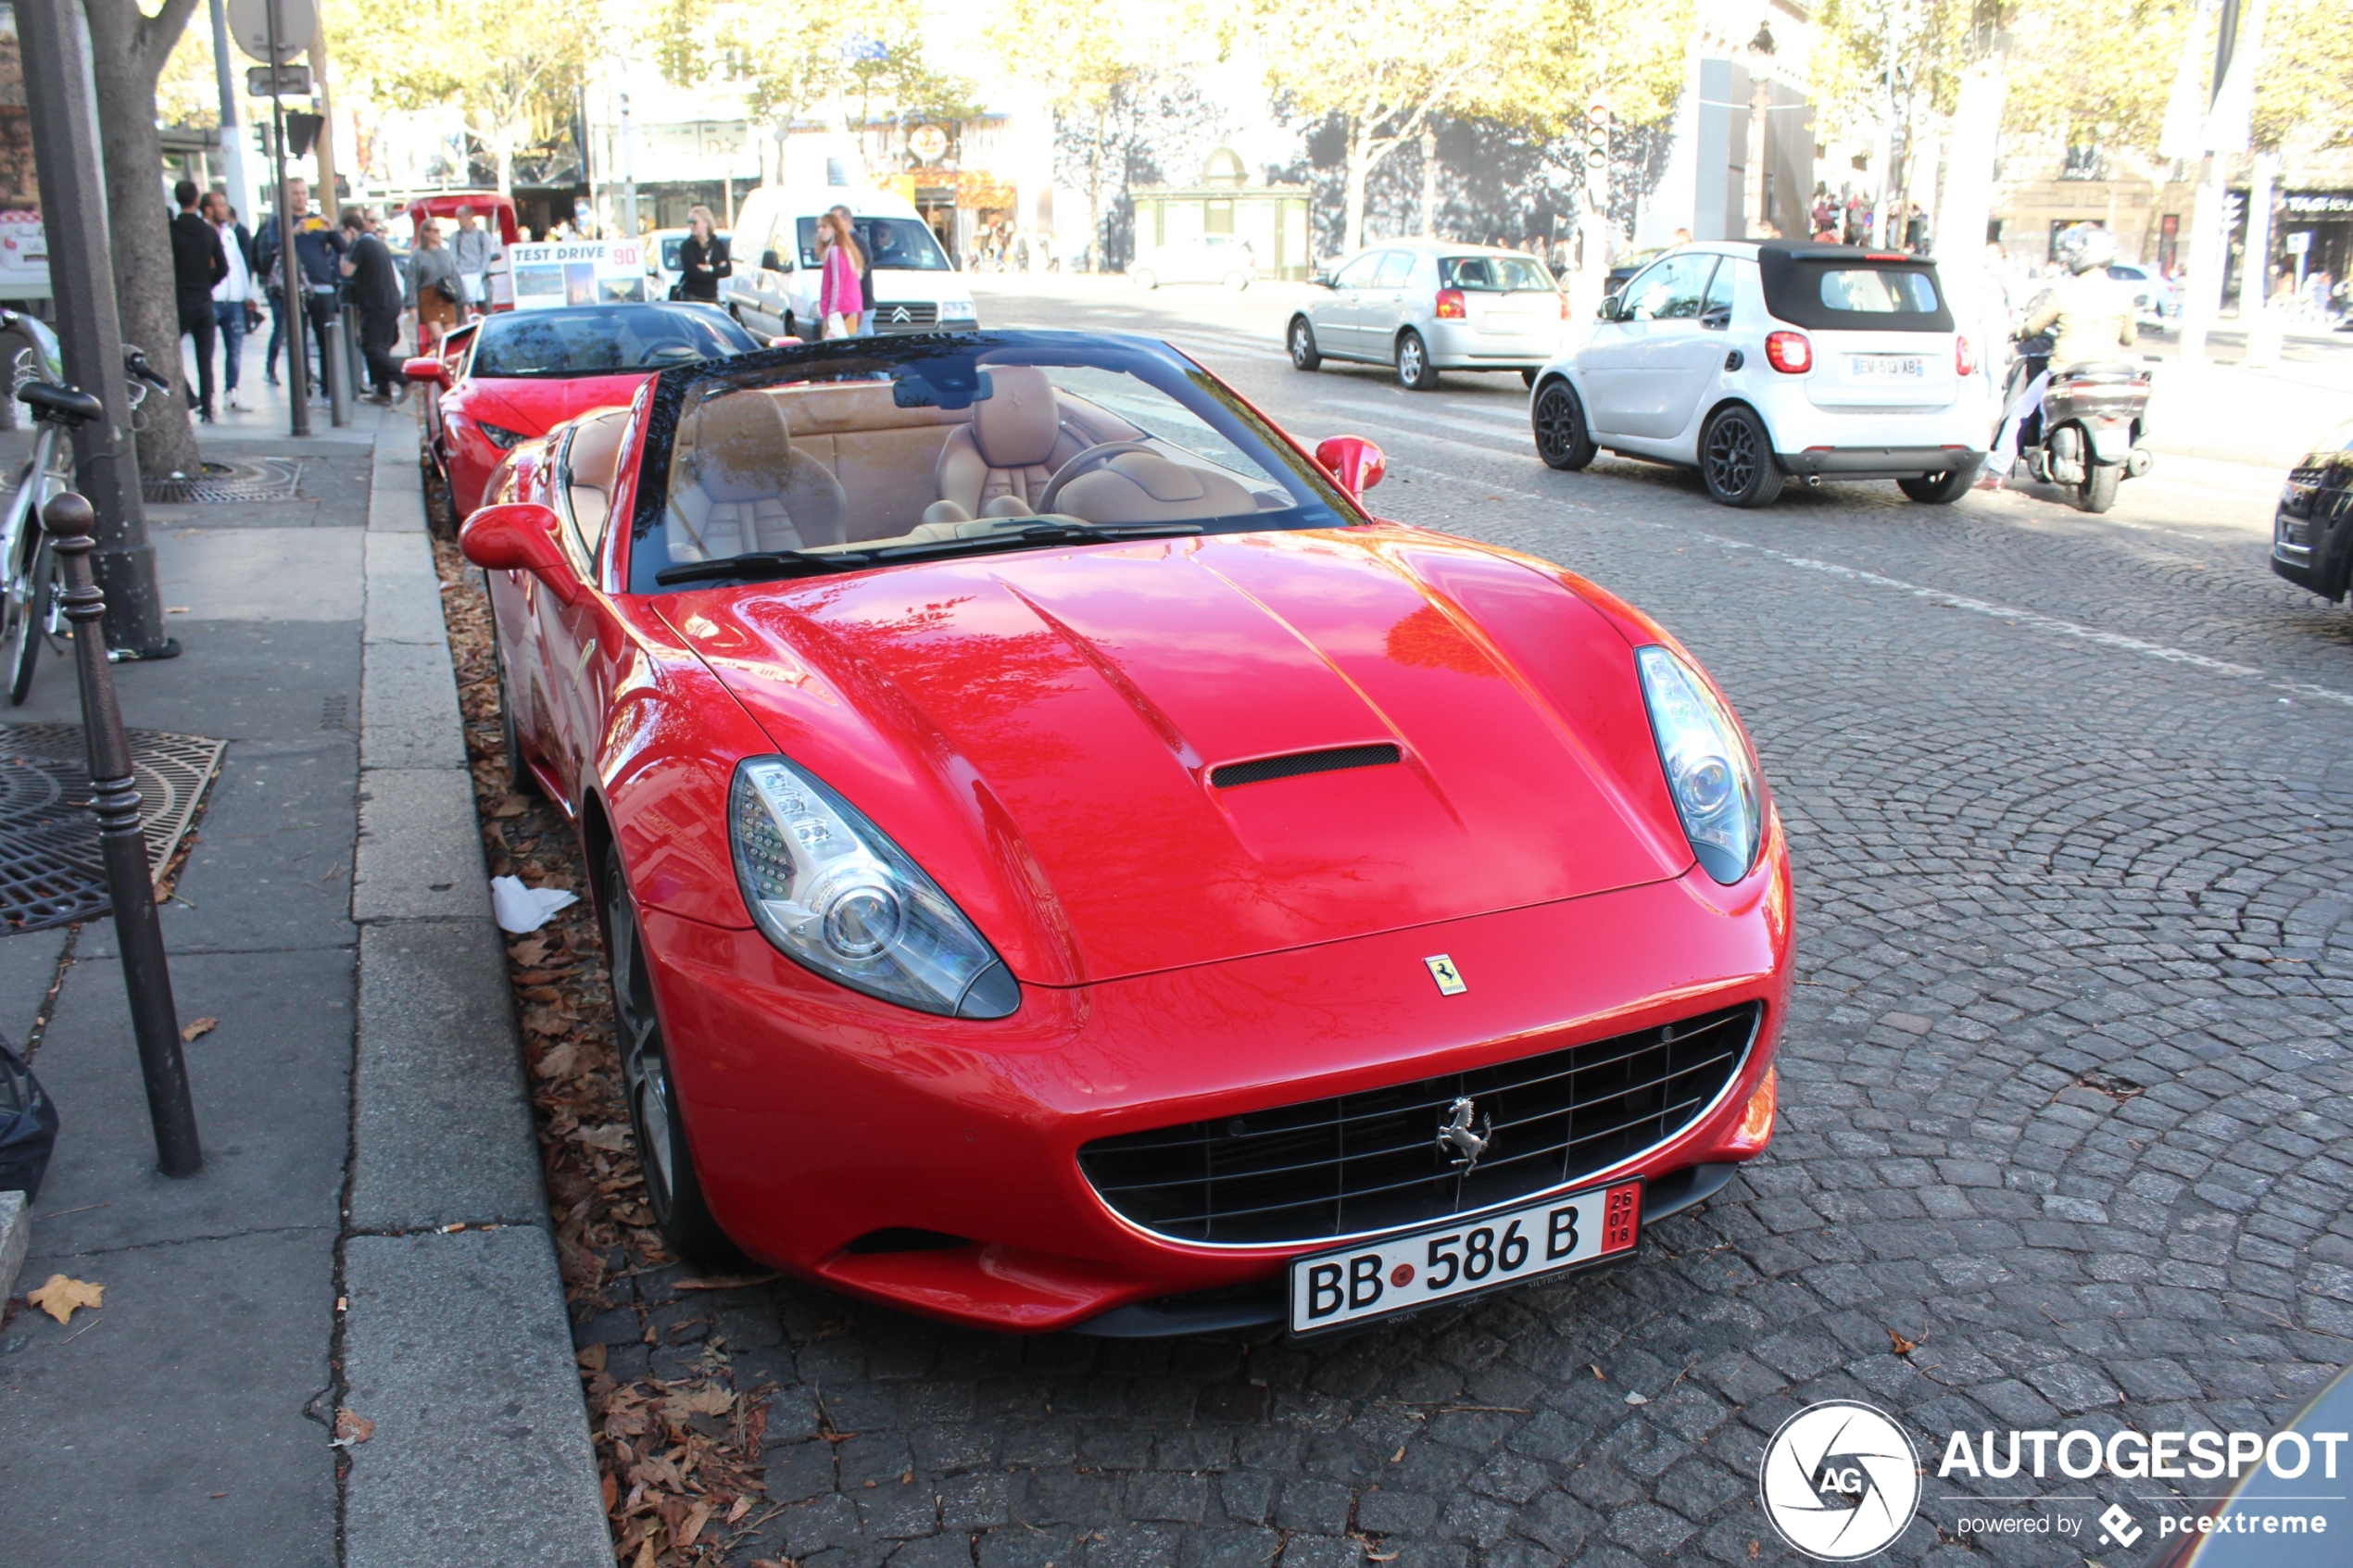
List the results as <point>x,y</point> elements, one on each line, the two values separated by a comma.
<point>1121,759</point>
<point>530,405</point>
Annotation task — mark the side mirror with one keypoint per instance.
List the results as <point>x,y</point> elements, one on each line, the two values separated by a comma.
<point>769,262</point>
<point>1322,280</point>
<point>1354,461</point>
<point>426,368</point>
<point>520,536</point>
<point>1610,307</point>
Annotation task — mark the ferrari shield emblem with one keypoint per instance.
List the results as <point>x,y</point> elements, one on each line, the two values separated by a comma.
<point>1449,978</point>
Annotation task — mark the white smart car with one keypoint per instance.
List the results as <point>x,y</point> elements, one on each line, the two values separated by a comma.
<point>1759,363</point>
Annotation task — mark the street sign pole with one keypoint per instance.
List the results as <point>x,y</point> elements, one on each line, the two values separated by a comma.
<point>294,286</point>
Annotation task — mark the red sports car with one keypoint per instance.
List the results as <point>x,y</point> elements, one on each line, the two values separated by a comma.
<point>1066,864</point>
<point>515,376</point>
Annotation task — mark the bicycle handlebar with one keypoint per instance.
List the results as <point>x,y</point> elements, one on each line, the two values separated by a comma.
<point>135,361</point>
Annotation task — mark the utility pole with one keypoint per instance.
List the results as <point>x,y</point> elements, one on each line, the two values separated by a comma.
<point>628,171</point>
<point>65,153</point>
<point>2238,48</point>
<point>330,202</point>
<point>233,135</point>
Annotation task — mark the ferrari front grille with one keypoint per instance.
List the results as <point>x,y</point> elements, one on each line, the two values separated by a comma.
<point>1374,1161</point>
<point>1331,760</point>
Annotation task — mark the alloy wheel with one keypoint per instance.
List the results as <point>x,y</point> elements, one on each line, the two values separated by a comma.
<point>1303,353</point>
<point>1730,457</point>
<point>1560,438</point>
<point>645,1072</point>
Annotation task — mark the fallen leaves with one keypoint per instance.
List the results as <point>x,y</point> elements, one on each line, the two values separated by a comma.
<point>198,1029</point>
<point>612,1137</point>
<point>63,1296</point>
<point>351,1428</point>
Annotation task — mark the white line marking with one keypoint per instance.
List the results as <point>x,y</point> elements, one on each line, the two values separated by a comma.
<point>2030,619</point>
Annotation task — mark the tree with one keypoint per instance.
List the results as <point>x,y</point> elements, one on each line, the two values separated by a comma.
<point>128,49</point>
<point>514,73</point>
<point>1104,146</point>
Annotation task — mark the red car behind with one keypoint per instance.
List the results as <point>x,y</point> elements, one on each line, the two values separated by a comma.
<point>1066,864</point>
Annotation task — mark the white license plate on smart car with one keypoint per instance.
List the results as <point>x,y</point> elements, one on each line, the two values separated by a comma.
<point>1462,1256</point>
<point>1889,367</point>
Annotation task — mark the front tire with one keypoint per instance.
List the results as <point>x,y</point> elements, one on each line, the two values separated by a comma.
<point>1736,460</point>
<point>1558,418</point>
<point>1415,373</point>
<point>441,502</point>
<point>1303,353</point>
<point>31,624</point>
<point>673,1190</point>
<point>2097,493</point>
<point>1941,489</point>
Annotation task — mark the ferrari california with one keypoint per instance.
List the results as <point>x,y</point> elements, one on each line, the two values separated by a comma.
<point>1066,864</point>
<point>514,376</point>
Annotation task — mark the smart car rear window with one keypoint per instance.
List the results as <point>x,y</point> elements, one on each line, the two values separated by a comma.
<point>1877,291</point>
<point>1833,289</point>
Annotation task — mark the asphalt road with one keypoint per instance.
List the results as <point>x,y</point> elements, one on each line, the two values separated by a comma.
<point>2065,1091</point>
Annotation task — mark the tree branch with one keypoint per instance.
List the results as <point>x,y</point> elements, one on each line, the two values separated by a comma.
<point>152,38</point>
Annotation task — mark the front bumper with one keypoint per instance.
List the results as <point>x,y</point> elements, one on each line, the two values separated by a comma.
<point>2310,549</point>
<point>831,1131</point>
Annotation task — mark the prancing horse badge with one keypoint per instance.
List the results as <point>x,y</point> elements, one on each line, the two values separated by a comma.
<point>1449,978</point>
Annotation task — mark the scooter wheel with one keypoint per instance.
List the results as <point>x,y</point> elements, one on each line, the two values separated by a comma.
<point>2097,493</point>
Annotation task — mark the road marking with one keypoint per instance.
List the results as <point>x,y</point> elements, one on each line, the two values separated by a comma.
<point>2028,618</point>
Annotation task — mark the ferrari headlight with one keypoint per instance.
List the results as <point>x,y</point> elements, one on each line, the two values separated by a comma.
<point>1708,768</point>
<point>500,437</point>
<point>837,896</point>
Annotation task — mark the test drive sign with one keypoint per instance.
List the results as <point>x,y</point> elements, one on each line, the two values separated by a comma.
<point>576,272</point>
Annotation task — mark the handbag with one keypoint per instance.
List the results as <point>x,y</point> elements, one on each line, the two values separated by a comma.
<point>678,289</point>
<point>834,325</point>
<point>447,289</point>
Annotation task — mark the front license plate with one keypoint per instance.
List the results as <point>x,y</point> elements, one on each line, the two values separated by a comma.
<point>1462,1256</point>
<point>1884,367</point>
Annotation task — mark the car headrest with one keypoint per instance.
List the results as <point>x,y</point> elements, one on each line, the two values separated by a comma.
<point>741,448</point>
<point>1016,428</point>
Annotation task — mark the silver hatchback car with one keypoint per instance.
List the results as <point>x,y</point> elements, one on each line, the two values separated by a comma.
<point>1425,307</point>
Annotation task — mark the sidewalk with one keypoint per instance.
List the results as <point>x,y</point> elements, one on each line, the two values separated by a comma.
<point>369,1232</point>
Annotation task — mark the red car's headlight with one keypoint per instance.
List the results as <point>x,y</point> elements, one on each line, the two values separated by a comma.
<point>1709,771</point>
<point>500,437</point>
<point>836,896</point>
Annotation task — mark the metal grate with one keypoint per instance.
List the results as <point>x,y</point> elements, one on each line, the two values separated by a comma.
<point>51,870</point>
<point>264,479</point>
<point>1300,762</point>
<point>1373,1162</point>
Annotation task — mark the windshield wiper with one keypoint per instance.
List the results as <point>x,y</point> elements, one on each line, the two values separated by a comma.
<point>769,564</point>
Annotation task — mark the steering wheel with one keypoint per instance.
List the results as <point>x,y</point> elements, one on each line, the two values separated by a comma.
<point>1100,453</point>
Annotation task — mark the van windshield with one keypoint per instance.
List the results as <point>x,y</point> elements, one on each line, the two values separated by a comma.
<point>890,243</point>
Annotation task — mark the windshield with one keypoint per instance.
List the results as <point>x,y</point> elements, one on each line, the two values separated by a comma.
<point>904,244</point>
<point>602,340</point>
<point>1507,272</point>
<point>851,457</point>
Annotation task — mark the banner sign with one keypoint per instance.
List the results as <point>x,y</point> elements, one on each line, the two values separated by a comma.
<point>548,276</point>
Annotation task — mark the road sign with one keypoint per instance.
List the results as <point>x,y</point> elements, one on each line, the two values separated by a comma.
<point>278,81</point>
<point>249,24</point>
<point>2299,243</point>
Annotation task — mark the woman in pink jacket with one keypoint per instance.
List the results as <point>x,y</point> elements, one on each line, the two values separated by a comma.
<point>839,301</point>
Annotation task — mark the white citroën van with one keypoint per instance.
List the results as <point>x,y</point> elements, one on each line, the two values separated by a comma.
<point>776,275</point>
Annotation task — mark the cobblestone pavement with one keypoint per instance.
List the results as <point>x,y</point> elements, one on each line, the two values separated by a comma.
<point>2066,1090</point>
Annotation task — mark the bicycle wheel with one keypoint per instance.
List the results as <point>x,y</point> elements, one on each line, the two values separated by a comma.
<point>28,623</point>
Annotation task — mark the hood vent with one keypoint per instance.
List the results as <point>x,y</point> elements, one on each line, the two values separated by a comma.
<point>1331,760</point>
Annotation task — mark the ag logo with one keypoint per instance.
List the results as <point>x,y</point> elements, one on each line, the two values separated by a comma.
<point>1840,1481</point>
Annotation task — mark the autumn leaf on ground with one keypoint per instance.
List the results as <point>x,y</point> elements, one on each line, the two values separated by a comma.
<point>612,1137</point>
<point>62,1295</point>
<point>352,1428</point>
<point>558,1062</point>
<point>199,1028</point>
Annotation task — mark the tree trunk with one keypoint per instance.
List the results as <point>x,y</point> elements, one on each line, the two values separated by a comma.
<point>125,67</point>
<point>502,147</point>
<point>1360,168</point>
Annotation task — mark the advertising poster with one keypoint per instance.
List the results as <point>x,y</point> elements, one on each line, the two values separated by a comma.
<point>549,276</point>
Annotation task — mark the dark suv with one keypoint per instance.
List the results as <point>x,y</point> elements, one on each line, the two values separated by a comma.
<point>2312,531</point>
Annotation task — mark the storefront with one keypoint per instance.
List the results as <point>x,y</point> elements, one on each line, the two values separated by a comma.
<point>2313,232</point>
<point>1272,218</point>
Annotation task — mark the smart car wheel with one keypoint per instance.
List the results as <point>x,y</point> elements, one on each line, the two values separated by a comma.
<point>673,1191</point>
<point>1304,355</point>
<point>1414,368</point>
<point>1940,489</point>
<point>1561,437</point>
<point>1736,460</point>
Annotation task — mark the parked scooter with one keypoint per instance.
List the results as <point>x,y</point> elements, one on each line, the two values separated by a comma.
<point>2086,436</point>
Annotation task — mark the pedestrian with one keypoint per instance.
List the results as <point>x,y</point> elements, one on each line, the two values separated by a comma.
<point>436,290</point>
<point>474,249</point>
<point>702,258</point>
<point>268,267</point>
<point>371,281</point>
<point>865,325</point>
<point>318,251</point>
<point>235,311</point>
<point>840,299</point>
<point>197,264</point>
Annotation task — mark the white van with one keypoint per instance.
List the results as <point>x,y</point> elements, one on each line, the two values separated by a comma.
<point>774,247</point>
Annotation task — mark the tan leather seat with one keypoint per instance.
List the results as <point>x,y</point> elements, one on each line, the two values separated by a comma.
<point>1012,445</point>
<point>589,464</point>
<point>1146,487</point>
<point>741,486</point>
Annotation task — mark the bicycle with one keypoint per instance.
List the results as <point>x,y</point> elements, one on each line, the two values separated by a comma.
<point>31,609</point>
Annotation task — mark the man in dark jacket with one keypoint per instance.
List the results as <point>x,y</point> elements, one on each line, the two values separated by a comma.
<point>373,279</point>
<point>266,275</point>
<point>198,263</point>
<point>320,247</point>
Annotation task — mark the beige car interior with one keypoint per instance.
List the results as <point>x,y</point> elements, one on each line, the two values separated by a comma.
<point>592,460</point>
<point>838,462</point>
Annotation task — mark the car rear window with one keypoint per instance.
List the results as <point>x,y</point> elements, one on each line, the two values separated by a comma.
<point>1833,289</point>
<point>1499,272</point>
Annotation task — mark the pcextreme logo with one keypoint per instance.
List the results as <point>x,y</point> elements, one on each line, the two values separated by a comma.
<point>1840,1481</point>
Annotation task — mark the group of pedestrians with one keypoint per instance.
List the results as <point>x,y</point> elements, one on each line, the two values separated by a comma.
<point>213,270</point>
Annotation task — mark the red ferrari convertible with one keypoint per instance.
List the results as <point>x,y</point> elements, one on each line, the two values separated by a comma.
<point>1066,865</point>
<point>517,375</point>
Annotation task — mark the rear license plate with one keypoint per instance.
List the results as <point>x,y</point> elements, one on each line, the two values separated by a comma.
<point>1895,367</point>
<point>1463,1257</point>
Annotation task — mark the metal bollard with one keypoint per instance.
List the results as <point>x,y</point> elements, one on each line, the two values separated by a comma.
<point>155,1018</point>
<point>338,373</point>
<point>355,362</point>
